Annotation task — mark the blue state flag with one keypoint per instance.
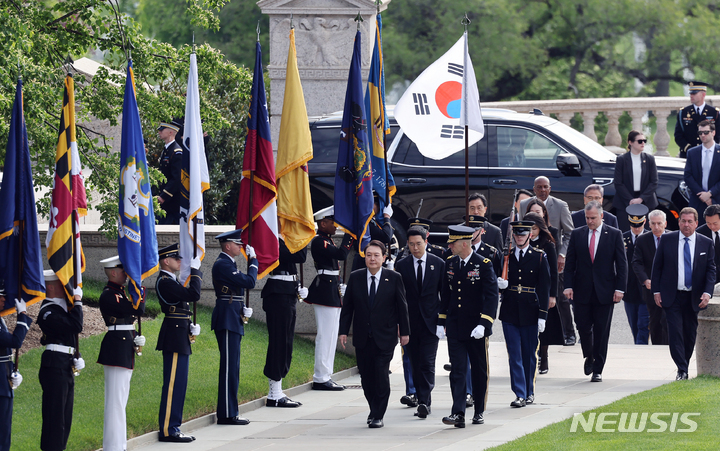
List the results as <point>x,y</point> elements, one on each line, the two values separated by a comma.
<point>21,265</point>
<point>353,177</point>
<point>137,243</point>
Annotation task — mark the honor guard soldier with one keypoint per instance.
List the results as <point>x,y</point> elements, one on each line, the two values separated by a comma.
<point>325,294</point>
<point>467,311</point>
<point>10,379</point>
<point>434,249</point>
<point>117,352</point>
<point>174,339</point>
<point>280,295</point>
<point>227,319</point>
<point>60,325</point>
<point>635,308</point>
<point>171,168</point>
<point>686,127</point>
<point>524,310</point>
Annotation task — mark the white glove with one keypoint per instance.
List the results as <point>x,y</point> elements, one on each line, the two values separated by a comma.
<point>390,265</point>
<point>343,287</point>
<point>78,292</point>
<point>194,329</point>
<point>79,364</point>
<point>440,332</point>
<point>247,312</point>
<point>388,210</point>
<point>139,340</point>
<point>15,379</point>
<point>250,251</point>
<point>21,306</point>
<point>478,332</point>
<point>541,325</point>
<point>502,283</point>
<point>195,263</point>
<point>303,292</point>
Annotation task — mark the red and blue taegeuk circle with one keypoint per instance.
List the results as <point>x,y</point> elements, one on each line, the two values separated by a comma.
<point>448,98</point>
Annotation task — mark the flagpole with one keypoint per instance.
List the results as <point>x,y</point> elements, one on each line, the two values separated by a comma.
<point>466,21</point>
<point>250,225</point>
<point>21,227</point>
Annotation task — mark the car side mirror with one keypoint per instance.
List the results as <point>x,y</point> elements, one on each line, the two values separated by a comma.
<point>568,164</point>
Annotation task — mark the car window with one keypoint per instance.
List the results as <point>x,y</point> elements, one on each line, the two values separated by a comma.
<point>523,148</point>
<point>326,141</point>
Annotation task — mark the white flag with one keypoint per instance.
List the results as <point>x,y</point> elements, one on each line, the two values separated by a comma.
<point>436,107</point>
<point>195,178</point>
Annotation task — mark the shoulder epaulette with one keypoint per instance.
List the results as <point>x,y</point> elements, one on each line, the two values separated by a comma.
<point>486,260</point>
<point>491,247</point>
<point>537,249</point>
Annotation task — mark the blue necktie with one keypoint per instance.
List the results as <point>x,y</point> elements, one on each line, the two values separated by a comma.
<point>688,264</point>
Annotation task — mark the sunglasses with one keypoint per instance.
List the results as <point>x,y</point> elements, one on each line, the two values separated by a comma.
<point>641,141</point>
<point>703,132</point>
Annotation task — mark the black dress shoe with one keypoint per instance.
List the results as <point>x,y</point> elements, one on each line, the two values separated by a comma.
<point>327,386</point>
<point>423,411</point>
<point>543,367</point>
<point>588,365</point>
<point>177,437</point>
<point>681,376</point>
<point>447,367</point>
<point>409,400</point>
<point>530,399</point>
<point>519,402</point>
<point>282,402</point>
<point>234,420</point>
<point>478,419</point>
<point>376,423</point>
<point>596,377</point>
<point>370,419</point>
<point>456,419</point>
<point>570,341</point>
<point>469,400</point>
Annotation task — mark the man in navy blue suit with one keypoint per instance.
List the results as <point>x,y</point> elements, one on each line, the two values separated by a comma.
<point>595,279</point>
<point>702,170</point>
<point>596,193</point>
<point>683,278</point>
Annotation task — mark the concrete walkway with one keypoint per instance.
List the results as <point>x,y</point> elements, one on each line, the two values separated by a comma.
<point>336,420</point>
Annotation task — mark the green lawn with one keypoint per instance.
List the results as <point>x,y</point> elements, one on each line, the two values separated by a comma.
<point>142,410</point>
<point>694,396</point>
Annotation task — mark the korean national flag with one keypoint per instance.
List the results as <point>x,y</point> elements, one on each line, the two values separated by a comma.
<point>436,107</point>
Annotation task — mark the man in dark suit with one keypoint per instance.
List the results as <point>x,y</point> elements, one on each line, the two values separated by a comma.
<point>636,178</point>
<point>374,304</point>
<point>689,117</point>
<point>711,229</point>
<point>467,312</point>
<point>635,308</point>
<point>642,262</point>
<point>702,170</point>
<point>683,279</point>
<point>478,206</point>
<point>595,279</point>
<point>596,193</point>
<point>422,274</point>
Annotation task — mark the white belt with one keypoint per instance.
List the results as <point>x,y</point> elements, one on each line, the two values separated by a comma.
<point>122,327</point>
<point>285,278</point>
<point>6,358</point>
<point>61,348</point>
<point>329,272</point>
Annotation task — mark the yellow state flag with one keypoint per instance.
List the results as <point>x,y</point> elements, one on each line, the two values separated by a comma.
<point>294,151</point>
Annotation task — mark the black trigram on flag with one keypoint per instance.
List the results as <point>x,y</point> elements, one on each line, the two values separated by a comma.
<point>452,131</point>
<point>456,69</point>
<point>421,104</point>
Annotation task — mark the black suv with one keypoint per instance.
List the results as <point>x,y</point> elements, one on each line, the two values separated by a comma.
<point>568,158</point>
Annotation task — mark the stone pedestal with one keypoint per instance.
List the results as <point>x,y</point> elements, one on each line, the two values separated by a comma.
<point>324,36</point>
<point>707,346</point>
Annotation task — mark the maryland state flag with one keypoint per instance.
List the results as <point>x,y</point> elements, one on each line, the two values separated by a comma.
<point>259,180</point>
<point>69,202</point>
<point>21,262</point>
<point>353,179</point>
<point>294,152</point>
<point>137,243</point>
<point>378,123</point>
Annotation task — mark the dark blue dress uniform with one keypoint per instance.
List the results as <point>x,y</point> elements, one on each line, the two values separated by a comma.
<point>635,308</point>
<point>325,288</point>
<point>118,348</point>
<point>171,168</point>
<point>60,329</point>
<point>174,342</point>
<point>8,342</point>
<point>524,301</point>
<point>485,250</point>
<point>686,127</point>
<point>280,295</point>
<point>469,299</point>
<point>229,283</point>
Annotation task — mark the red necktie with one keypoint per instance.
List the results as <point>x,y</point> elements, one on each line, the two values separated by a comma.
<point>592,246</point>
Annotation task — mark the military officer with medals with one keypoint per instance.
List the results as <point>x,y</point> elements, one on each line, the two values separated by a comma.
<point>325,294</point>
<point>467,311</point>
<point>524,310</point>
<point>117,352</point>
<point>171,168</point>
<point>174,339</point>
<point>686,127</point>
<point>10,379</point>
<point>60,324</point>
<point>227,319</point>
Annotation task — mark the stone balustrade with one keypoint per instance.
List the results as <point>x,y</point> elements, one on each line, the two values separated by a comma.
<point>637,107</point>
